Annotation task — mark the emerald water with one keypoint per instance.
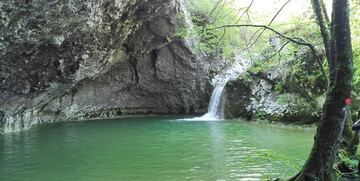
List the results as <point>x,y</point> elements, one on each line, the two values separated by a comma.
<point>153,149</point>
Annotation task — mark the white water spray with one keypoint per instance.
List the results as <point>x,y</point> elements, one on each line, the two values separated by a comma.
<point>214,108</point>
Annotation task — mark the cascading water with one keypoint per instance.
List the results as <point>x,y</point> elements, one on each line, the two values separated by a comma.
<point>214,108</point>
<point>224,75</point>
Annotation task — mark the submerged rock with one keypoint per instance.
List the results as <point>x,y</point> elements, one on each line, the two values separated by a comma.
<point>69,60</point>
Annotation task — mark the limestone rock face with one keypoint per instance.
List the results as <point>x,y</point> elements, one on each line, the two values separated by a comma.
<point>70,60</point>
<point>254,97</point>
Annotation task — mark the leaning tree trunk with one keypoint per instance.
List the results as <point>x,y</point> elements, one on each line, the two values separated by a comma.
<point>319,165</point>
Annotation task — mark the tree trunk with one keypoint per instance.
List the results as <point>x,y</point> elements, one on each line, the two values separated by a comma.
<point>323,24</point>
<point>348,133</point>
<point>319,165</point>
<point>351,149</point>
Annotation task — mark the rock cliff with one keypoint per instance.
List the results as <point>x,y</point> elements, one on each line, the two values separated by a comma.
<point>71,60</point>
<point>254,96</point>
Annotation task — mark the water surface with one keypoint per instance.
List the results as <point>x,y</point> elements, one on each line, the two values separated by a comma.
<point>153,149</point>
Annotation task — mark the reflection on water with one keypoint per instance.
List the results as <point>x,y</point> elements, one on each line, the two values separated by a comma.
<point>149,149</point>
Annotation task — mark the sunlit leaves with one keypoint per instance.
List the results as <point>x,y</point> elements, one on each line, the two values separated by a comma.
<point>355,37</point>
<point>207,14</point>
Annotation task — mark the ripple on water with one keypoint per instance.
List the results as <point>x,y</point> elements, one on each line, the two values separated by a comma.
<point>148,149</point>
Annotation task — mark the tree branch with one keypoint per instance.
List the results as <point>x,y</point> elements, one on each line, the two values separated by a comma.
<point>224,32</point>
<point>265,27</point>
<point>278,51</point>
<point>296,40</point>
<point>317,6</point>
<point>213,10</point>
<point>247,9</point>
<point>277,13</point>
<point>325,11</point>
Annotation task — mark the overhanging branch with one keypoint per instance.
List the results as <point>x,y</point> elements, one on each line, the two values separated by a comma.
<point>247,9</point>
<point>278,51</point>
<point>296,40</point>
<point>272,20</point>
<point>266,27</point>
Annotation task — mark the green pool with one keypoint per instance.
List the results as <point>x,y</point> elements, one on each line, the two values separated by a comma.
<point>153,149</point>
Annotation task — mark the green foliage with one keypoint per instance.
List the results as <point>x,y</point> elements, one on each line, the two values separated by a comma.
<point>351,162</point>
<point>255,69</point>
<point>346,166</point>
<point>284,98</point>
<point>260,114</point>
<point>253,44</point>
<point>355,37</point>
<point>182,33</point>
<point>279,87</point>
<point>207,16</point>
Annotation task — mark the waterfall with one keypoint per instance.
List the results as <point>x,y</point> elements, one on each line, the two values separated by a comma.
<point>214,108</point>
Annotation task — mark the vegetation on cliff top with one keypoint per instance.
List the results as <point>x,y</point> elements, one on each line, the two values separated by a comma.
<point>304,72</point>
<point>329,48</point>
